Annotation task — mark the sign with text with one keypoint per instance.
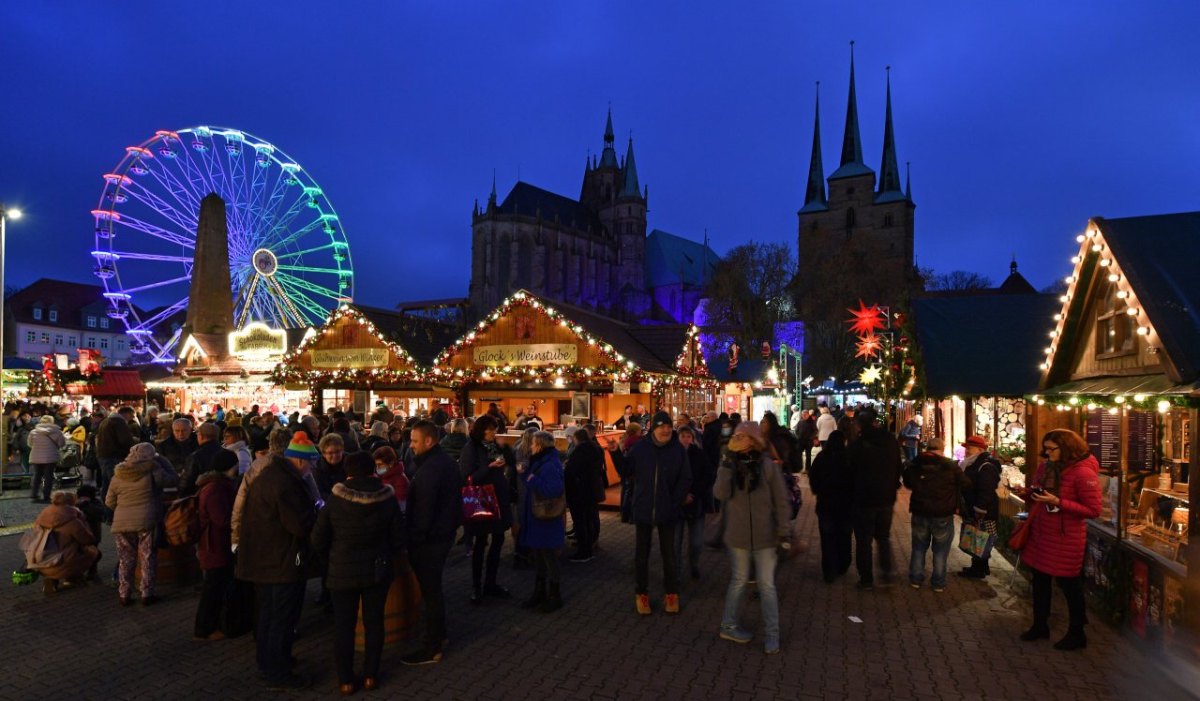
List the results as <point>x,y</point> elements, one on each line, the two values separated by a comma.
<point>257,342</point>
<point>349,358</point>
<point>532,354</point>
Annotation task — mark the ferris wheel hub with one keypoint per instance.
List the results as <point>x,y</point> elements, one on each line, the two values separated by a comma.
<point>265,262</point>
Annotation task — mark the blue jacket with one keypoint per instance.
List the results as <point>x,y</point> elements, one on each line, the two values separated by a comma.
<point>661,477</point>
<point>545,474</point>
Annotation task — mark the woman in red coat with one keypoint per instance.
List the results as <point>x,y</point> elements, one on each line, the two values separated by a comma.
<point>1066,492</point>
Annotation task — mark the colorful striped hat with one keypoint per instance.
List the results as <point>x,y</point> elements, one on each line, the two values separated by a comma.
<point>301,447</point>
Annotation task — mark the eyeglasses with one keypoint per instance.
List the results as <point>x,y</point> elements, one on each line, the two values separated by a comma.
<point>1049,449</point>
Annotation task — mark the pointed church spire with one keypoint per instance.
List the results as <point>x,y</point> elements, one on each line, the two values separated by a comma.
<point>889,171</point>
<point>852,159</point>
<point>630,187</point>
<point>908,180</point>
<point>814,194</point>
<point>492,197</point>
<point>608,130</point>
<point>608,157</point>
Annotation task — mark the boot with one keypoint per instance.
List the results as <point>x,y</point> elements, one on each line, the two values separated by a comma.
<point>1038,631</point>
<point>553,602</point>
<point>49,586</point>
<point>1074,640</point>
<point>539,594</point>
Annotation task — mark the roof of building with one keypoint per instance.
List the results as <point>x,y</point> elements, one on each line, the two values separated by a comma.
<point>751,366</point>
<point>69,298</point>
<point>530,201</point>
<point>665,341</point>
<point>1158,256</point>
<point>625,339</point>
<point>982,345</point>
<point>422,338</point>
<point>114,384</point>
<point>672,259</point>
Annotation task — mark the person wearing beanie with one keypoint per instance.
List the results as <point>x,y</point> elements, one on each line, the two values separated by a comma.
<point>358,535</point>
<point>662,477</point>
<point>46,440</point>
<point>215,492</point>
<point>751,489</point>
<point>277,516</point>
<point>135,497</point>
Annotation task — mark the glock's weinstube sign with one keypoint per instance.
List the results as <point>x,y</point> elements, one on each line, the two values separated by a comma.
<point>532,354</point>
<point>352,358</point>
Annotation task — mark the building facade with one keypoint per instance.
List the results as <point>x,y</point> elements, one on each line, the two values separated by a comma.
<point>56,316</point>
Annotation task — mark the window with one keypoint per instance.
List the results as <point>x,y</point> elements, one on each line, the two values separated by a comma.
<point>53,315</point>
<point>104,343</point>
<point>104,322</point>
<point>30,337</point>
<point>71,341</point>
<point>91,341</point>
<point>1114,327</point>
<point>91,322</point>
<point>120,344</point>
<point>58,339</point>
<point>37,313</point>
<point>45,337</point>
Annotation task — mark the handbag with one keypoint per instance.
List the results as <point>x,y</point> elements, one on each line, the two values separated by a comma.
<point>976,541</point>
<point>1020,535</point>
<point>479,502</point>
<point>547,508</point>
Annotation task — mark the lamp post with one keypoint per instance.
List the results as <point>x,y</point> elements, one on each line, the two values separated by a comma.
<point>6,213</point>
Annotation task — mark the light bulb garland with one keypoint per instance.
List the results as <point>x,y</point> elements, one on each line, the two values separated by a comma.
<point>287,370</point>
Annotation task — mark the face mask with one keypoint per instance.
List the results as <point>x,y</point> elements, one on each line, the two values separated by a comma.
<point>727,432</point>
<point>380,470</point>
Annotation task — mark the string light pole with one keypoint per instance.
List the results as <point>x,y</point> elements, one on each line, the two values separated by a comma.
<point>6,213</point>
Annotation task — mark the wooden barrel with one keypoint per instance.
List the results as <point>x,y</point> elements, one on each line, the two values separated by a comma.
<point>401,612</point>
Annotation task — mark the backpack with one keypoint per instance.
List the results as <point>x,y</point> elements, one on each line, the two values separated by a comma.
<point>182,521</point>
<point>794,494</point>
<point>40,546</point>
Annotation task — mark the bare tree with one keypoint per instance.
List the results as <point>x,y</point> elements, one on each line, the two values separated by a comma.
<point>750,288</point>
<point>957,280</point>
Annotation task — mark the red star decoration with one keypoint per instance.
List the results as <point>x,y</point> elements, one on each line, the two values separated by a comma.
<point>869,346</point>
<point>866,319</point>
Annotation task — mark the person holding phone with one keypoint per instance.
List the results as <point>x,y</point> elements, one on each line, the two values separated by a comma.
<point>1065,493</point>
<point>484,461</point>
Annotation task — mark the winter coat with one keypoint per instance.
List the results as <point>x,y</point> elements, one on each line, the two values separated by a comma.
<point>826,425</point>
<point>256,467</point>
<point>807,429</point>
<point>453,444</point>
<point>757,512</point>
<point>875,466</point>
<point>215,493</point>
<point>45,442</point>
<point>93,513</point>
<point>583,475</point>
<point>1058,540</point>
<point>198,463</point>
<point>135,494</point>
<point>75,541</point>
<point>474,462</point>
<point>177,452</point>
<point>983,477</point>
<point>712,445</point>
<point>545,476</point>
<point>327,475</point>
<point>398,480</point>
<point>831,483</point>
<point>277,516</point>
<point>360,523</point>
<point>704,474</point>
<point>911,433</point>
<point>243,453</point>
<point>936,482</point>
<point>114,438</point>
<point>79,435</point>
<point>349,440</point>
<point>661,479</point>
<point>786,449</point>
<point>434,498</point>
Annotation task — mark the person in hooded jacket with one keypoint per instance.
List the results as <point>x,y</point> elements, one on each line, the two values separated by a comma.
<point>543,538</point>
<point>135,497</point>
<point>935,481</point>
<point>751,486</point>
<point>359,533</point>
<point>483,461</point>
<point>215,491</point>
<point>75,541</point>
<point>457,438</point>
<point>45,443</point>
<point>658,466</point>
<point>832,484</point>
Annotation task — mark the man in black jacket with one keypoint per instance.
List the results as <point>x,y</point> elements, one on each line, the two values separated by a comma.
<point>935,481</point>
<point>200,461</point>
<point>277,516</point>
<point>434,514</point>
<point>874,462</point>
<point>584,465</point>
<point>179,446</point>
<point>982,505</point>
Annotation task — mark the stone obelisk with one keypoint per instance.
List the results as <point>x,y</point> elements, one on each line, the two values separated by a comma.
<point>210,301</point>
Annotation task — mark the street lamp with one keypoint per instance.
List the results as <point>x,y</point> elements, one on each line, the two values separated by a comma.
<point>6,213</point>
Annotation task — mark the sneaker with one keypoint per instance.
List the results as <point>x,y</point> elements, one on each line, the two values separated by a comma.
<point>422,657</point>
<point>735,634</point>
<point>671,603</point>
<point>939,590</point>
<point>292,682</point>
<point>579,558</point>
<point>771,646</point>
<point>915,585</point>
<point>642,602</point>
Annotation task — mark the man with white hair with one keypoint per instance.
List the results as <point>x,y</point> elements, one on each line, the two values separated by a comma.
<point>179,445</point>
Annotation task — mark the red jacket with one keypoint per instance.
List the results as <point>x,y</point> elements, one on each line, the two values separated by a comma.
<point>1058,540</point>
<point>216,514</point>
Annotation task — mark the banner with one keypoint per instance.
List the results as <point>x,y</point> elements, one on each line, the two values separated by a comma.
<point>532,354</point>
<point>350,358</point>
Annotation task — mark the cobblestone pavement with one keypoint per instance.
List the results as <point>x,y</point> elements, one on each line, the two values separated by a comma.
<point>910,644</point>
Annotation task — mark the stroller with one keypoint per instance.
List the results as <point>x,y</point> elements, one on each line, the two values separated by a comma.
<point>66,472</point>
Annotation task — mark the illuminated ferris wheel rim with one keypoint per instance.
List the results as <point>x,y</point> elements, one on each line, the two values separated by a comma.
<point>279,222</point>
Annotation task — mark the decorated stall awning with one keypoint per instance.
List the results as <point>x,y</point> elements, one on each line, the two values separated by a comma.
<point>113,384</point>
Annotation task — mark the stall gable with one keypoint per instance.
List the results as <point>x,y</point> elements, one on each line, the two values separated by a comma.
<point>347,344</point>
<point>691,358</point>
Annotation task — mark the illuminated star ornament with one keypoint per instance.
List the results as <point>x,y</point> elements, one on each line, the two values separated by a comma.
<point>866,320</point>
<point>869,346</point>
<point>870,375</point>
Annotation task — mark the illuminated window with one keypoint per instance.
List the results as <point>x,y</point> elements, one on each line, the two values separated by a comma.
<point>45,337</point>
<point>1114,328</point>
<point>53,315</point>
<point>91,322</point>
<point>37,313</point>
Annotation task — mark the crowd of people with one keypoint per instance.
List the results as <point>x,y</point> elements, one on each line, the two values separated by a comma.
<point>355,500</point>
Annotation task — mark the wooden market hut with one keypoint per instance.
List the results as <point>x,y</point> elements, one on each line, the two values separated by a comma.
<point>1122,369</point>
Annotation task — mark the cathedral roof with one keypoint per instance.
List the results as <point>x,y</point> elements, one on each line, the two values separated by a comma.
<point>671,260</point>
<point>528,200</point>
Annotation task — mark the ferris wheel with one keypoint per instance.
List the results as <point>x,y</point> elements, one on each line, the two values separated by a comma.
<point>289,260</point>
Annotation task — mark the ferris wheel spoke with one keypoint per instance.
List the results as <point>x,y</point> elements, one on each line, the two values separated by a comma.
<point>283,301</point>
<point>294,235</point>
<point>130,255</point>
<point>299,293</point>
<point>306,286</point>
<point>178,217</point>
<point>305,269</point>
<point>248,301</point>
<point>281,228</point>
<point>153,285</point>
<point>185,195</point>
<point>163,314</point>
<point>297,254</point>
<point>156,231</point>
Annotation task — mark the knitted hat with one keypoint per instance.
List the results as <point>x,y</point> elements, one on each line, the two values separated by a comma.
<point>301,447</point>
<point>660,419</point>
<point>223,461</point>
<point>977,442</point>
<point>747,436</point>
<point>142,452</point>
<point>359,465</point>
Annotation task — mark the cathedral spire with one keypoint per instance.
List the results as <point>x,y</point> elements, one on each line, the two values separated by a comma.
<point>814,194</point>
<point>889,171</point>
<point>908,180</point>
<point>630,186</point>
<point>608,157</point>
<point>492,197</point>
<point>852,158</point>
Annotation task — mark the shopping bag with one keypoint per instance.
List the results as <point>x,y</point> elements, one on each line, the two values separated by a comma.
<point>976,541</point>
<point>479,502</point>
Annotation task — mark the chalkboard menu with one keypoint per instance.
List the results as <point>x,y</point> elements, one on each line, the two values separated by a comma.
<point>1104,438</point>
<point>1141,441</point>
